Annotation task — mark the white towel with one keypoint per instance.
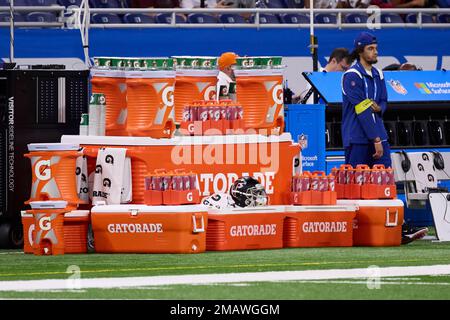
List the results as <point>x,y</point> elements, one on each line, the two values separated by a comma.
<point>82,179</point>
<point>127,183</point>
<point>109,172</point>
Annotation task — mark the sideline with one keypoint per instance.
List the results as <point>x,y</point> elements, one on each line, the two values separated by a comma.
<point>206,279</point>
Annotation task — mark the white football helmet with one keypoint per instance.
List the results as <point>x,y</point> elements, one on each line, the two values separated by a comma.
<point>219,201</point>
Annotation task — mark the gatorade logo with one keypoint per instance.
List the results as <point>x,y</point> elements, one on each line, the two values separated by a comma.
<point>248,63</point>
<point>189,197</point>
<point>42,170</point>
<point>167,96</point>
<point>387,192</point>
<point>98,169</point>
<point>277,94</point>
<point>45,224</point>
<point>109,159</point>
<point>30,234</point>
<point>106,182</point>
<point>210,93</point>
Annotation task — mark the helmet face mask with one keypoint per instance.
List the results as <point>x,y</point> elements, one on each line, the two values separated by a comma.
<point>248,192</point>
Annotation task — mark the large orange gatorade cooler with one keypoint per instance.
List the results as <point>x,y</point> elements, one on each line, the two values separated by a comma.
<point>53,167</point>
<point>245,228</point>
<point>260,91</point>
<point>112,83</point>
<point>377,222</point>
<point>218,160</point>
<point>149,229</point>
<point>318,226</point>
<point>49,227</point>
<point>150,103</point>
<point>191,85</point>
<point>75,231</point>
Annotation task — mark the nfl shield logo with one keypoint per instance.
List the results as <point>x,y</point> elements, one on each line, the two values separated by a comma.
<point>398,87</point>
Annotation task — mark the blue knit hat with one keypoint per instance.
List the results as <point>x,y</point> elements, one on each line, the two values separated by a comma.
<point>364,39</point>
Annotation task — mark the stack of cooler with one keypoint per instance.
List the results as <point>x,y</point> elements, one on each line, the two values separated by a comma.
<point>53,225</point>
<point>259,88</point>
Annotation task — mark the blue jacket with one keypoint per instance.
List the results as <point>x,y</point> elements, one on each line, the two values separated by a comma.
<point>359,123</point>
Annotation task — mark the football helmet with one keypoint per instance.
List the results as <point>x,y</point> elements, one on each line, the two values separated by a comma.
<point>219,201</point>
<point>248,192</point>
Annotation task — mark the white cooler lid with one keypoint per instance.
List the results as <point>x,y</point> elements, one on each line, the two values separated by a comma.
<point>176,141</point>
<point>24,214</point>
<point>324,208</point>
<point>77,213</point>
<point>256,210</point>
<point>126,208</point>
<point>150,74</point>
<point>373,203</point>
<point>53,146</point>
<point>258,72</point>
<point>48,204</point>
<point>197,72</point>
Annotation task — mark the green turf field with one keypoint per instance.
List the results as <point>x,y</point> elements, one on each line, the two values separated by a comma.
<point>17,266</point>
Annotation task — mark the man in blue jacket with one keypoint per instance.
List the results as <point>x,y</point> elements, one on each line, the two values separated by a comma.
<point>364,103</point>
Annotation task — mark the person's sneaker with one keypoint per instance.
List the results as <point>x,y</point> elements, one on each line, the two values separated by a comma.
<point>411,234</point>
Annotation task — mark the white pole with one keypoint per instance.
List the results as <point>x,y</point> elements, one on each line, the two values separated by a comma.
<point>11,31</point>
<point>87,26</point>
<point>311,18</point>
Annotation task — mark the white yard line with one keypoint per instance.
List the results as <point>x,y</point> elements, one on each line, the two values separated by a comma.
<point>206,279</point>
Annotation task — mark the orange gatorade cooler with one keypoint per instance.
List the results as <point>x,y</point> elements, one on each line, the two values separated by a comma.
<point>378,223</point>
<point>150,103</point>
<point>76,225</point>
<point>217,160</point>
<point>49,226</point>
<point>53,167</point>
<point>112,83</point>
<point>260,91</point>
<point>28,231</point>
<point>245,228</point>
<point>149,229</point>
<point>193,84</point>
<point>318,226</point>
<point>75,231</point>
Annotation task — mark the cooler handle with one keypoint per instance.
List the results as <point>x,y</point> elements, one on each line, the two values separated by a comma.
<point>194,222</point>
<point>134,212</point>
<point>388,220</point>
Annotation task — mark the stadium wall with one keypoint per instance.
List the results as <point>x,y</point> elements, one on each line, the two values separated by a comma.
<point>428,48</point>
